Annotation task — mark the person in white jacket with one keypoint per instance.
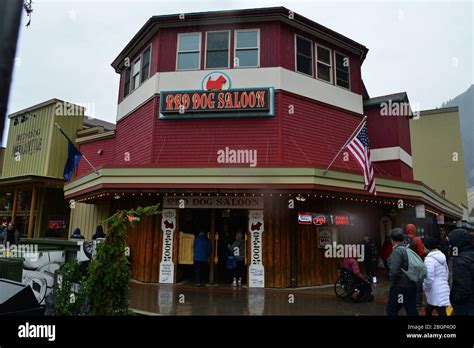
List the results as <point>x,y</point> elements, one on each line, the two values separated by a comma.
<point>436,285</point>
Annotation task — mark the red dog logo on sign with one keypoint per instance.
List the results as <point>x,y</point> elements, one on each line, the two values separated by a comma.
<point>215,85</point>
<point>216,81</point>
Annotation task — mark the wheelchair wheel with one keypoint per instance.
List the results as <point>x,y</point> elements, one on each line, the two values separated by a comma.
<point>340,288</point>
<point>359,292</point>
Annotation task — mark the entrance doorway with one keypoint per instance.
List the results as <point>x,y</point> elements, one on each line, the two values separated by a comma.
<point>220,226</point>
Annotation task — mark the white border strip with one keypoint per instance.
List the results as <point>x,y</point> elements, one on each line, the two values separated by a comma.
<point>391,154</point>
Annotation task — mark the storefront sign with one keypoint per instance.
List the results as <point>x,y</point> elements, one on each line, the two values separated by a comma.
<point>28,142</point>
<point>305,219</point>
<point>318,219</point>
<point>216,99</point>
<point>256,268</point>
<point>326,236</point>
<point>218,202</point>
<point>420,211</point>
<point>168,225</point>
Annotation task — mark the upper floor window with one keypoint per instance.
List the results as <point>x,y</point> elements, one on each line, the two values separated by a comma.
<point>189,51</point>
<point>324,63</point>
<point>136,74</point>
<point>217,49</point>
<point>126,85</point>
<point>304,56</point>
<point>145,64</point>
<point>246,48</point>
<point>342,70</point>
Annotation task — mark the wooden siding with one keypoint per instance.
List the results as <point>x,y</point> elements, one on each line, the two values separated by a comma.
<point>87,217</point>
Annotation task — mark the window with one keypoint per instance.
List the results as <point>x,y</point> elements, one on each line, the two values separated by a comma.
<point>217,49</point>
<point>126,88</point>
<point>304,56</point>
<point>189,51</point>
<point>136,74</point>
<point>146,64</point>
<point>246,48</point>
<point>342,70</point>
<point>324,63</point>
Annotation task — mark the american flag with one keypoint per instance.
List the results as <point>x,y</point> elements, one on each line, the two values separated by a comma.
<point>359,147</point>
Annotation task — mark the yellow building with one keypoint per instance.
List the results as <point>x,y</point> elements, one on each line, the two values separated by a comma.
<point>437,153</point>
<point>31,183</point>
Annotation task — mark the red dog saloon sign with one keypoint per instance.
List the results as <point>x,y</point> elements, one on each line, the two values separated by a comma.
<point>216,99</point>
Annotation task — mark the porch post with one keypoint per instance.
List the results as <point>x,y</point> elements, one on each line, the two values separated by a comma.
<point>15,203</point>
<point>31,219</point>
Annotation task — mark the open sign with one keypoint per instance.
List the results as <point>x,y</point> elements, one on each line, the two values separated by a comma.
<point>319,220</point>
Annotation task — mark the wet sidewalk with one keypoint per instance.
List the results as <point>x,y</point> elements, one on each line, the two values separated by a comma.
<point>186,299</point>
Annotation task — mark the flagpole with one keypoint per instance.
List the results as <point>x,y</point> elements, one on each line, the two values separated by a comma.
<point>83,156</point>
<point>345,144</point>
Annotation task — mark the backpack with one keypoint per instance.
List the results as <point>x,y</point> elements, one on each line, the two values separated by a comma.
<point>416,271</point>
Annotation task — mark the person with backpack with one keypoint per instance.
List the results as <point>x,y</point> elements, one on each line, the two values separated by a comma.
<point>462,289</point>
<point>406,269</point>
<point>436,285</point>
<point>416,244</point>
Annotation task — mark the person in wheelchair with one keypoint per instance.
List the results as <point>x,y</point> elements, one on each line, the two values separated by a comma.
<point>358,280</point>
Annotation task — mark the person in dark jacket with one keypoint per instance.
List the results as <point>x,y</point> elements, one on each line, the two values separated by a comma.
<point>237,249</point>
<point>202,250</point>
<point>99,232</point>
<point>77,234</point>
<point>402,289</point>
<point>462,288</point>
<point>11,236</point>
<point>369,257</point>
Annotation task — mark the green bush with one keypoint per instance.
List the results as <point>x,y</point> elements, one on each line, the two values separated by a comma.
<point>109,271</point>
<point>71,293</point>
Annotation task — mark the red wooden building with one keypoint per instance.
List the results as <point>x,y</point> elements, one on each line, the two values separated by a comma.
<point>228,120</point>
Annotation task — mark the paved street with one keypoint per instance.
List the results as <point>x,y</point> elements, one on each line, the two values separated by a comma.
<point>186,299</point>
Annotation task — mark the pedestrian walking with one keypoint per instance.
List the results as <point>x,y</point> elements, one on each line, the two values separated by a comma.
<point>11,236</point>
<point>202,250</point>
<point>370,251</point>
<point>402,290</point>
<point>238,251</point>
<point>462,290</point>
<point>436,285</point>
<point>416,244</point>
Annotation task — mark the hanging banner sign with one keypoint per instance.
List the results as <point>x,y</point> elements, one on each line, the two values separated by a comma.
<point>256,268</point>
<point>440,219</point>
<point>218,202</point>
<point>168,226</point>
<point>420,211</point>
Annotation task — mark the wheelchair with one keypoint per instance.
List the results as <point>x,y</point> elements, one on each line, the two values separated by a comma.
<point>347,286</point>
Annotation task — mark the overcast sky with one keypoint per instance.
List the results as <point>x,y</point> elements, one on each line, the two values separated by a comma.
<point>422,47</point>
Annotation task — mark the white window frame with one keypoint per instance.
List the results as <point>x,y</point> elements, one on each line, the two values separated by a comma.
<point>139,58</point>
<point>348,71</point>
<point>331,71</point>
<point>178,52</point>
<point>247,48</point>
<point>149,63</point>
<point>129,83</point>
<point>296,55</point>
<point>228,50</point>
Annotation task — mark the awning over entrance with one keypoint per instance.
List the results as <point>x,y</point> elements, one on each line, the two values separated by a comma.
<point>303,179</point>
